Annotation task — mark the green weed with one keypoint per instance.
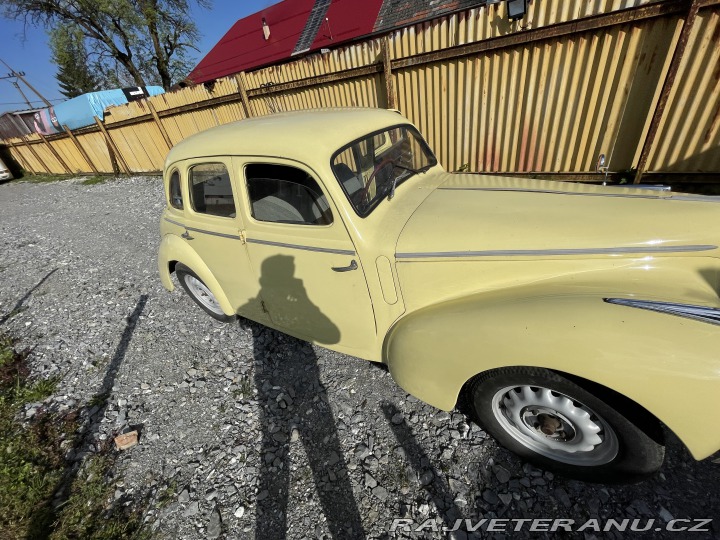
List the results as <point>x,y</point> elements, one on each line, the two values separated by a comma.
<point>44,178</point>
<point>35,474</point>
<point>94,180</point>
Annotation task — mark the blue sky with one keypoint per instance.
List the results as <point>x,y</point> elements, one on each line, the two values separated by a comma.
<point>26,49</point>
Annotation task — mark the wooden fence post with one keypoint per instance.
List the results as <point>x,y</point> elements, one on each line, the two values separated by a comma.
<point>17,155</point>
<point>387,70</point>
<point>667,88</point>
<point>32,151</point>
<point>55,153</point>
<point>80,149</point>
<point>242,89</point>
<point>155,116</point>
<point>112,146</point>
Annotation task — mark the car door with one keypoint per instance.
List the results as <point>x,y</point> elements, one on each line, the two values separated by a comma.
<point>213,229</point>
<point>311,279</point>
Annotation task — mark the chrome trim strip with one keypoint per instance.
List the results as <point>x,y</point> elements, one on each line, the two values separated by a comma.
<point>697,198</point>
<point>551,192</point>
<point>174,222</point>
<point>698,313</point>
<point>303,248</point>
<point>674,197</point>
<point>554,252</point>
<point>202,231</point>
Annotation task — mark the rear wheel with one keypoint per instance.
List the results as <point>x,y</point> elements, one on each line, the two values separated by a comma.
<point>198,291</point>
<point>558,425</point>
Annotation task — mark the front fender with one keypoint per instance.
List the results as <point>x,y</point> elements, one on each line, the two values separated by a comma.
<point>667,364</point>
<point>172,248</point>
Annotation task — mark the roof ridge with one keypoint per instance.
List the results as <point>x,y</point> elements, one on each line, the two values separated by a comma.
<point>312,26</point>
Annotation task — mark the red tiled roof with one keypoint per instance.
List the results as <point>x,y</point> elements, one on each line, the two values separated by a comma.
<point>293,23</point>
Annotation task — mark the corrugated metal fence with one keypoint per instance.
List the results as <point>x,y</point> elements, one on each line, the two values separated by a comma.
<point>638,81</point>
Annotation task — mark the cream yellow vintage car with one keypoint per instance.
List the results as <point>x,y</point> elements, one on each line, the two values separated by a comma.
<point>574,320</point>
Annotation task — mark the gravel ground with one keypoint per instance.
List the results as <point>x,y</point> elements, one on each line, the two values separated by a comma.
<point>257,433</point>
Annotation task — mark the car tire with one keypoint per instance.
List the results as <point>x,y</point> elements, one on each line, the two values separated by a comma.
<point>551,421</point>
<point>200,293</point>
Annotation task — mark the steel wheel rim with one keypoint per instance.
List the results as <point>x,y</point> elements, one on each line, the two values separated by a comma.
<point>555,426</point>
<point>200,291</point>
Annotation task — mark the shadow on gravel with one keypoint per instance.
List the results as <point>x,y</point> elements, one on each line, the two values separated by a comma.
<point>294,407</point>
<point>96,407</point>
<point>20,303</point>
<point>430,477</point>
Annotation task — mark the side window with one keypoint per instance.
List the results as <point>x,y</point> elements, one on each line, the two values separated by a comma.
<point>176,200</point>
<point>211,191</point>
<point>348,167</point>
<point>283,194</point>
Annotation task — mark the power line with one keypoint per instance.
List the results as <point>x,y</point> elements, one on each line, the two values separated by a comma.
<point>24,103</point>
<point>14,73</point>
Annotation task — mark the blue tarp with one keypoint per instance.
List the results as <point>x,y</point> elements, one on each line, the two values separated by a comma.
<point>80,111</point>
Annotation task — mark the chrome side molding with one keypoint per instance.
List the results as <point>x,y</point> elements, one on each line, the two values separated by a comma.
<point>699,313</point>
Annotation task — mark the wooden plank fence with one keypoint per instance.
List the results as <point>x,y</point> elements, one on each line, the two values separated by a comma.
<point>635,80</point>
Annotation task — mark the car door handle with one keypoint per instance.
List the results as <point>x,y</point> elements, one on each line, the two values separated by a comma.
<point>353,266</point>
<point>186,235</point>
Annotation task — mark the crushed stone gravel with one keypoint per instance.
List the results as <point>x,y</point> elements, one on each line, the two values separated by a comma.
<point>248,433</point>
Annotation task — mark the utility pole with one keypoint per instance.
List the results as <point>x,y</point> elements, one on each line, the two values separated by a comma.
<point>20,75</point>
<point>16,85</point>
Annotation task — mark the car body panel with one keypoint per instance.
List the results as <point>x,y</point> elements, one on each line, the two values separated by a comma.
<point>659,361</point>
<point>294,265</point>
<point>298,136</point>
<point>173,248</point>
<point>461,273</point>
<point>5,173</point>
<point>481,220</point>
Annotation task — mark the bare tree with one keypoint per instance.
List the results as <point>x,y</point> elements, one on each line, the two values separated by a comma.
<point>148,40</point>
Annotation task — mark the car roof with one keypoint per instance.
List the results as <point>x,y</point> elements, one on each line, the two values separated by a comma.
<point>306,136</point>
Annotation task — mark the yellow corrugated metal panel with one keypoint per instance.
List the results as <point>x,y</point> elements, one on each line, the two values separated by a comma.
<point>688,139</point>
<point>24,156</point>
<point>550,106</point>
<point>225,114</point>
<point>344,58</point>
<point>178,98</point>
<point>125,112</point>
<point>225,87</point>
<point>141,146</point>
<point>47,158</point>
<point>96,148</point>
<point>185,125</point>
<point>70,155</point>
<point>361,92</point>
<point>545,106</point>
<point>491,21</point>
<point>547,13</point>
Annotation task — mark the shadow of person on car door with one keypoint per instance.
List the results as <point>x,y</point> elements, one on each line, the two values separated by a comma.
<point>294,408</point>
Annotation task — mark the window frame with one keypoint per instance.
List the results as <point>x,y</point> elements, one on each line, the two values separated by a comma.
<point>189,186</point>
<point>299,167</point>
<point>421,140</point>
<point>181,208</point>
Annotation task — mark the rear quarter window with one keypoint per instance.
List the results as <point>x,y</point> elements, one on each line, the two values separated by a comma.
<point>174,191</point>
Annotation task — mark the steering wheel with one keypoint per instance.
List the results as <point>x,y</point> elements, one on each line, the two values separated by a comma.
<point>362,195</point>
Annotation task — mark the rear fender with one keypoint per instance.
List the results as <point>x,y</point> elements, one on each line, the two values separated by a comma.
<point>665,363</point>
<point>173,249</point>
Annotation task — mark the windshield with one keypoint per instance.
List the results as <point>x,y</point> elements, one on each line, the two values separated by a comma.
<point>371,168</point>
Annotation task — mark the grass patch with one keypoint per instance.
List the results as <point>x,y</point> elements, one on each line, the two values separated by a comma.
<point>35,475</point>
<point>49,178</point>
<point>93,180</point>
<point>29,468</point>
<point>244,388</point>
<point>91,511</point>
<point>44,178</point>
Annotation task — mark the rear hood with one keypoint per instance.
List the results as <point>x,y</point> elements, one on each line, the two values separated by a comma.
<point>472,215</point>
